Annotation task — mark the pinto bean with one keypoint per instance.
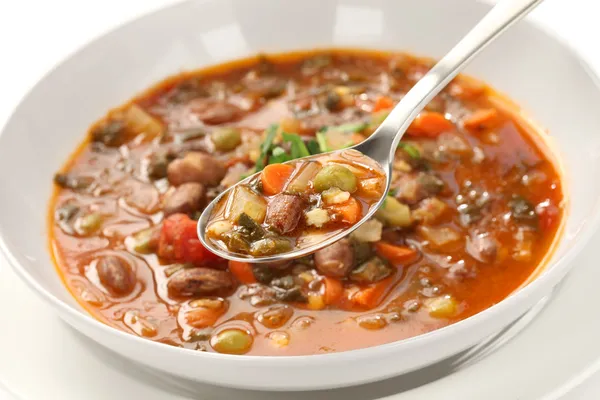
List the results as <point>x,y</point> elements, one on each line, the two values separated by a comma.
<point>284,212</point>
<point>199,282</point>
<point>187,198</point>
<point>116,275</point>
<point>336,259</point>
<point>196,167</point>
<point>214,112</point>
<point>482,247</point>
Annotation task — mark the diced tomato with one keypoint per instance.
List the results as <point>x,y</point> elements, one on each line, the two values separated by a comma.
<point>383,103</point>
<point>179,242</point>
<point>548,216</point>
<point>242,271</point>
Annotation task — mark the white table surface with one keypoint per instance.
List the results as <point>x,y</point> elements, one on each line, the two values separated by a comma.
<point>35,35</point>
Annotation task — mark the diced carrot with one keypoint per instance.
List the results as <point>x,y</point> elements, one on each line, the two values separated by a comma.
<point>333,290</point>
<point>383,103</point>
<point>548,217</point>
<point>481,120</point>
<point>242,271</point>
<point>430,124</point>
<point>274,178</point>
<point>372,295</point>
<point>202,317</point>
<point>395,254</point>
<point>350,211</point>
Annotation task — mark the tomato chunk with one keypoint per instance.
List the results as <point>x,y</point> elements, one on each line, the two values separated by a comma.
<point>179,242</point>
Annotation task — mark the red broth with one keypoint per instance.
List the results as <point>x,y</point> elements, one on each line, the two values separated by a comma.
<point>475,207</point>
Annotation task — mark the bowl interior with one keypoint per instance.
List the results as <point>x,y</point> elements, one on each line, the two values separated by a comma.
<point>533,69</point>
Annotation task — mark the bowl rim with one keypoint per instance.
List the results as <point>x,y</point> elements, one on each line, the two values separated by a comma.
<point>547,277</point>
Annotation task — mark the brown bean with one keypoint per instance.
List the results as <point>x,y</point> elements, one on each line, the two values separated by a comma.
<point>214,112</point>
<point>482,247</point>
<point>116,275</point>
<point>199,282</point>
<point>284,212</point>
<point>187,198</point>
<point>336,259</point>
<point>196,167</point>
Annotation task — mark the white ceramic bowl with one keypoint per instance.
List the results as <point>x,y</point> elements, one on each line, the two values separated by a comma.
<point>535,69</point>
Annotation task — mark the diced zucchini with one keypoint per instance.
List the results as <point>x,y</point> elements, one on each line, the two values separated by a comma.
<point>269,246</point>
<point>244,200</point>
<point>141,122</point>
<point>301,180</point>
<point>335,175</point>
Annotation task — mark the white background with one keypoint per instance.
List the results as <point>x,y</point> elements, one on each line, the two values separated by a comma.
<point>35,35</point>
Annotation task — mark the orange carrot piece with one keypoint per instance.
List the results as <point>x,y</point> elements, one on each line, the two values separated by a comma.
<point>242,271</point>
<point>350,211</point>
<point>333,290</point>
<point>371,296</point>
<point>383,103</point>
<point>431,124</point>
<point>482,119</point>
<point>395,254</point>
<point>274,178</point>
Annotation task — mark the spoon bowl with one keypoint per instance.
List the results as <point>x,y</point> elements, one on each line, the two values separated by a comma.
<point>381,145</point>
<point>205,218</point>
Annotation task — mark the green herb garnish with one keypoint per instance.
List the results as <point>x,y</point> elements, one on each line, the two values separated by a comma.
<point>265,147</point>
<point>298,148</point>
<point>351,127</point>
<point>411,150</point>
<point>322,141</point>
<point>313,147</point>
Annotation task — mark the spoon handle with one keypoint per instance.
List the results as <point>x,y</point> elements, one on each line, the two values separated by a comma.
<point>388,135</point>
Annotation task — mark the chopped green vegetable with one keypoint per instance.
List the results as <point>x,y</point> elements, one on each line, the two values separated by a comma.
<point>278,156</point>
<point>298,148</point>
<point>313,147</point>
<point>335,175</point>
<point>412,151</point>
<point>322,141</point>
<point>351,127</point>
<point>265,147</point>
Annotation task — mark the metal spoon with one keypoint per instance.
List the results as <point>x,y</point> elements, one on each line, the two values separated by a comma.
<point>381,145</point>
